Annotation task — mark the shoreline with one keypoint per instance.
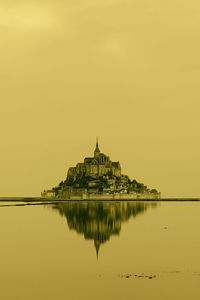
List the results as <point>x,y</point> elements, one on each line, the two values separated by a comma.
<point>45,200</point>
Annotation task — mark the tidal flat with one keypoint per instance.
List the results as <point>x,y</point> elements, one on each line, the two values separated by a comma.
<point>99,250</point>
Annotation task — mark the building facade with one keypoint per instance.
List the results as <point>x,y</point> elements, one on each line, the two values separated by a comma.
<point>96,166</point>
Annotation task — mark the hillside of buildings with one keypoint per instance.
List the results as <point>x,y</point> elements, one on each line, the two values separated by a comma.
<point>98,175</point>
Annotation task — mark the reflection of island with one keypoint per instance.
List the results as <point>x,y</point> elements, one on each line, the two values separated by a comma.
<point>99,220</point>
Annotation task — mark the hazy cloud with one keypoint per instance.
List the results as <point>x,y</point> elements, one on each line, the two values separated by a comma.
<point>127,69</point>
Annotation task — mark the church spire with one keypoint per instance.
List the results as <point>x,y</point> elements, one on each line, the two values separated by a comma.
<point>97,143</point>
<point>96,151</point>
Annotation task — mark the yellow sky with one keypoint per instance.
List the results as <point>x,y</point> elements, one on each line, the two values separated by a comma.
<point>127,71</point>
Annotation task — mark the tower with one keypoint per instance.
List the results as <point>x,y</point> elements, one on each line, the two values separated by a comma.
<point>97,151</point>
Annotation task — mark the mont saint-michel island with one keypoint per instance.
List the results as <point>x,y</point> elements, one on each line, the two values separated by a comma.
<point>99,178</point>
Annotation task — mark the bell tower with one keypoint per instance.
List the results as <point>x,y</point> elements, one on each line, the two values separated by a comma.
<point>97,151</point>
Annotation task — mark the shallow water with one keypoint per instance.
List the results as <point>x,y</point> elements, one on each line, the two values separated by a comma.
<point>104,250</point>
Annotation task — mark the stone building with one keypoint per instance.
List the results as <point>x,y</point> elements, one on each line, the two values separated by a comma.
<point>97,178</point>
<point>98,165</point>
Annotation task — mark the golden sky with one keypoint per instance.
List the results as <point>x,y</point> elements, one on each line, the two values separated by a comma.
<point>127,71</point>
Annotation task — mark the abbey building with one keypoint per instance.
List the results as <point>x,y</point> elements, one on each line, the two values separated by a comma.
<point>96,166</point>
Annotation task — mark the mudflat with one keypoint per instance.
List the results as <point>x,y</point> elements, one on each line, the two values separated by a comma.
<point>99,250</point>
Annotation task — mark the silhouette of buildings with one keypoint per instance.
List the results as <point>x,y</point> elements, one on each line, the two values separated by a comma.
<point>99,178</point>
<point>96,166</point>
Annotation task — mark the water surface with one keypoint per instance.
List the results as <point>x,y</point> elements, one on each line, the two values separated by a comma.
<point>100,250</point>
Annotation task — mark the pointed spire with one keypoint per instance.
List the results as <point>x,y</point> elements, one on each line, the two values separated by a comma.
<point>96,151</point>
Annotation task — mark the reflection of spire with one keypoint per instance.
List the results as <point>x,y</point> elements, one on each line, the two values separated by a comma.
<point>97,245</point>
<point>98,221</point>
